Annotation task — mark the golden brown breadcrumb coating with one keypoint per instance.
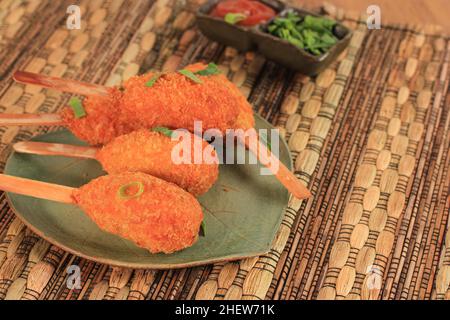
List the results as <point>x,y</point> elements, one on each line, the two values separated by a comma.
<point>151,152</point>
<point>164,218</point>
<point>104,120</point>
<point>173,101</point>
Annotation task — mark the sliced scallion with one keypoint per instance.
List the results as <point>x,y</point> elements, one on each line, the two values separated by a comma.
<point>265,140</point>
<point>153,79</point>
<point>203,229</point>
<point>189,74</point>
<point>122,192</point>
<point>211,69</point>
<point>165,131</point>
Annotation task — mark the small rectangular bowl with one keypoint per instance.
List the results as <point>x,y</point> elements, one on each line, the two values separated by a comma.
<point>293,57</point>
<point>257,37</point>
<point>236,36</point>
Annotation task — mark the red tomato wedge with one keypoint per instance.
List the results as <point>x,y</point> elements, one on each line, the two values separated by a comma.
<point>255,11</point>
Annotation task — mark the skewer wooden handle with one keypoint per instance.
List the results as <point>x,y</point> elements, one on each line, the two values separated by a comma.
<point>55,149</point>
<point>66,85</point>
<point>30,119</point>
<point>37,189</point>
<point>283,174</point>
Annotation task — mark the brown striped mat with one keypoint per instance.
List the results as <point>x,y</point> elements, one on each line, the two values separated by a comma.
<point>370,136</point>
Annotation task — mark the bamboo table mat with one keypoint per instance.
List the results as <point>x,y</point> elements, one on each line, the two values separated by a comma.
<point>369,135</point>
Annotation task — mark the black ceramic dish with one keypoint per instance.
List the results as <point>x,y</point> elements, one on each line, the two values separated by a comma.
<point>272,47</point>
<point>239,37</point>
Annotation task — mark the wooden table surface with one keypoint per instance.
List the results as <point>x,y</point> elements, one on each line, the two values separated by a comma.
<point>398,11</point>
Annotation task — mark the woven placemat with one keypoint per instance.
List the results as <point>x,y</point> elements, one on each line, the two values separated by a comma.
<point>369,135</point>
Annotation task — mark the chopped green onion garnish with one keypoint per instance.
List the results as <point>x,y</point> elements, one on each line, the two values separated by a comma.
<point>77,108</point>
<point>203,229</point>
<point>153,79</point>
<point>122,192</point>
<point>190,75</point>
<point>165,131</point>
<point>265,140</point>
<point>233,18</point>
<point>211,69</point>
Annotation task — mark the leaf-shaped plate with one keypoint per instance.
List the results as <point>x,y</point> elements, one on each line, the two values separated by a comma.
<point>242,211</point>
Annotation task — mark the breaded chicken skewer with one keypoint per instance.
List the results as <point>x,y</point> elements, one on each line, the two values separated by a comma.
<point>154,214</point>
<point>171,100</point>
<point>218,103</point>
<point>140,151</point>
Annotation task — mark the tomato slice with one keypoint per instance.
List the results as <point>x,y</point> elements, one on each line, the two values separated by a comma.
<point>255,11</point>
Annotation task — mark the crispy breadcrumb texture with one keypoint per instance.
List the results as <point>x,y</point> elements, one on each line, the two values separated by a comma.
<point>245,118</point>
<point>173,101</point>
<point>164,218</point>
<point>151,152</point>
<point>104,119</point>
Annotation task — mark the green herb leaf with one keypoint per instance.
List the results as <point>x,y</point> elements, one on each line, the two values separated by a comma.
<point>189,74</point>
<point>295,42</point>
<point>318,24</point>
<point>233,18</point>
<point>153,79</point>
<point>211,69</point>
<point>165,131</point>
<point>122,192</point>
<point>272,28</point>
<point>328,40</point>
<point>313,34</point>
<point>202,229</point>
<point>77,108</point>
<point>265,140</point>
<point>292,16</point>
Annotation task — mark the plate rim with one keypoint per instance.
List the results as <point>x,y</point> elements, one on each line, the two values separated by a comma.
<point>132,265</point>
<point>136,265</point>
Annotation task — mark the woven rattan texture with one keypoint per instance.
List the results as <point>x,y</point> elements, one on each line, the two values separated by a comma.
<point>369,135</point>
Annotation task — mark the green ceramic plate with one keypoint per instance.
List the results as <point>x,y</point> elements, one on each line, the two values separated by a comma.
<point>242,211</point>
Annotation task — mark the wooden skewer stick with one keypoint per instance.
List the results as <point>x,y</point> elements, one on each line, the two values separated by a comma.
<point>281,172</point>
<point>30,120</point>
<point>286,177</point>
<point>37,189</point>
<point>55,149</point>
<point>65,85</point>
